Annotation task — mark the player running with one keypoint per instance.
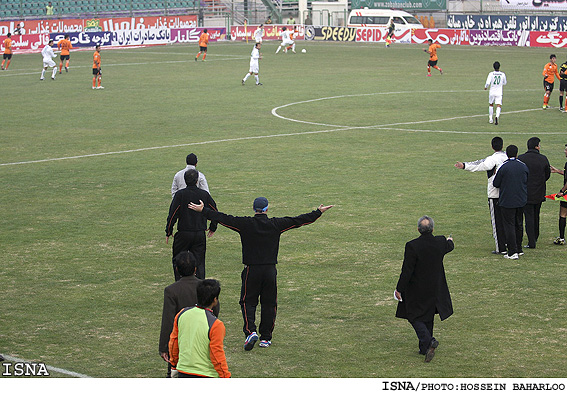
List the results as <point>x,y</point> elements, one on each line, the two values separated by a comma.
<point>549,74</point>
<point>432,50</point>
<point>203,42</point>
<point>255,56</point>
<point>496,81</point>
<point>64,46</point>
<point>97,73</point>
<point>286,40</point>
<point>48,55</point>
<point>7,58</point>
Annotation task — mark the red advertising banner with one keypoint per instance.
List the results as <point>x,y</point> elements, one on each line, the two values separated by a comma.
<point>378,34</point>
<point>553,39</point>
<point>441,36</point>
<point>271,32</point>
<point>27,42</point>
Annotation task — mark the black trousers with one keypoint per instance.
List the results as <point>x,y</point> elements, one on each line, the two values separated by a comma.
<point>531,214</point>
<point>194,242</point>
<point>497,224</point>
<point>513,228</point>
<point>424,331</point>
<point>259,282</point>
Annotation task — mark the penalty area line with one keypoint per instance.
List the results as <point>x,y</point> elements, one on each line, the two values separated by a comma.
<point>50,368</point>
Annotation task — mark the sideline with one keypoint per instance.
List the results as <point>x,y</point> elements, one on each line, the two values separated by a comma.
<point>49,367</point>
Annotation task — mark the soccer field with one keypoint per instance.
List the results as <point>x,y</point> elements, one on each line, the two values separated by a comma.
<point>86,176</point>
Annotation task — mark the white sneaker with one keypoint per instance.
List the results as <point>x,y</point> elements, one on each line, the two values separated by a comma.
<point>513,257</point>
<point>490,121</point>
<point>100,87</point>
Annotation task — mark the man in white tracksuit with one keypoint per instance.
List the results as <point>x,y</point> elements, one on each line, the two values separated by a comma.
<point>255,56</point>
<point>48,55</point>
<point>286,40</point>
<point>491,165</point>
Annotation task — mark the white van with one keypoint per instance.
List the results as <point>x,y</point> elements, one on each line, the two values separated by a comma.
<point>381,18</point>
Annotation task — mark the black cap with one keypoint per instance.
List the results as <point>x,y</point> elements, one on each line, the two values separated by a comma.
<point>261,204</point>
<point>191,159</point>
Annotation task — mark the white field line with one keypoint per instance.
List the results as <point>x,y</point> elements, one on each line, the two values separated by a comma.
<point>49,367</point>
<point>330,129</point>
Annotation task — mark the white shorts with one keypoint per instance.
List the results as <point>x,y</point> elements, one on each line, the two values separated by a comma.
<point>286,43</point>
<point>495,100</point>
<point>258,40</point>
<point>48,63</point>
<point>254,67</point>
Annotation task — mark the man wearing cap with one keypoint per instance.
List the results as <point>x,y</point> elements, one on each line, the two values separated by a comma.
<point>179,180</point>
<point>260,238</point>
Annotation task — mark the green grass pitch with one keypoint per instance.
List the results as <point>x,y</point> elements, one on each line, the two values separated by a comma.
<point>86,175</point>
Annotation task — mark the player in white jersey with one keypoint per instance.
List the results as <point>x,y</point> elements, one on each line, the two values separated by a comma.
<point>259,33</point>
<point>255,56</point>
<point>286,40</point>
<point>496,81</point>
<point>48,55</point>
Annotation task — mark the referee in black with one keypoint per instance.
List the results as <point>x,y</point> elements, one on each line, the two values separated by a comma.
<point>191,226</point>
<point>260,238</point>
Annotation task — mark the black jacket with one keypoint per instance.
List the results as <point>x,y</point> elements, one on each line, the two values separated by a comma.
<point>539,174</point>
<point>187,219</point>
<point>260,235</point>
<point>422,283</point>
<point>512,179</point>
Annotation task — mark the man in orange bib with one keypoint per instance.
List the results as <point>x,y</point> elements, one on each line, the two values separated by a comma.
<point>432,50</point>
<point>64,46</point>
<point>7,58</point>
<point>203,42</point>
<point>549,74</point>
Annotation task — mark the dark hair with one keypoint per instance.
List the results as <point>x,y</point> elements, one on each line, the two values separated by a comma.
<point>430,40</point>
<point>66,36</point>
<point>533,142</point>
<point>204,31</point>
<point>191,159</point>
<point>207,291</point>
<point>425,228</point>
<point>9,35</point>
<point>552,56</point>
<point>496,66</point>
<point>191,176</point>
<point>185,263</point>
<point>497,143</point>
<point>512,151</point>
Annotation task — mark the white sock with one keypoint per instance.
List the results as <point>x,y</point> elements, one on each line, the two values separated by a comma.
<point>54,72</point>
<point>42,73</point>
<point>497,112</point>
<point>277,50</point>
<point>293,47</point>
<point>490,112</point>
<point>246,77</point>
<point>256,78</point>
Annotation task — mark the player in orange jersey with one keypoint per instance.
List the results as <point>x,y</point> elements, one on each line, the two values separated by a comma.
<point>97,74</point>
<point>64,46</point>
<point>203,42</point>
<point>549,74</point>
<point>292,34</point>
<point>432,50</point>
<point>7,58</point>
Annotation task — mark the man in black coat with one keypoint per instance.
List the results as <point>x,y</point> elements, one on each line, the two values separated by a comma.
<point>512,179</point>
<point>181,294</point>
<point>422,289</point>
<point>191,226</point>
<point>540,171</point>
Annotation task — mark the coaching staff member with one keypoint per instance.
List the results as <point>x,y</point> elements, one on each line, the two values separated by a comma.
<point>179,295</point>
<point>422,289</point>
<point>540,170</point>
<point>191,226</point>
<point>260,238</point>
<point>512,179</point>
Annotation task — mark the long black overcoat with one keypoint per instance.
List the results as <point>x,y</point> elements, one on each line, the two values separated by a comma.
<point>422,283</point>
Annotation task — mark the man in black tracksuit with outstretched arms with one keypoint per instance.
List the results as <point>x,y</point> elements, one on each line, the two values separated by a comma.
<point>260,238</point>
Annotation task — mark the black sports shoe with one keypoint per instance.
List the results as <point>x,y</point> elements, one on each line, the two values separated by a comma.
<point>259,84</point>
<point>496,121</point>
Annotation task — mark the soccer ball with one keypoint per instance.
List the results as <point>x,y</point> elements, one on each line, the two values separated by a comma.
<point>304,50</point>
